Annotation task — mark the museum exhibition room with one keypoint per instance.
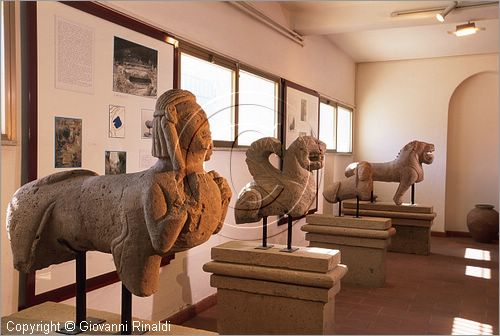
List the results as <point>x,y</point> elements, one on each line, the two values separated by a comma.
<point>265,168</point>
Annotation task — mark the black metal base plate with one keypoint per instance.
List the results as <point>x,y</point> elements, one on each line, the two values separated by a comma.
<point>267,247</point>
<point>76,330</point>
<point>134,332</point>
<point>291,250</point>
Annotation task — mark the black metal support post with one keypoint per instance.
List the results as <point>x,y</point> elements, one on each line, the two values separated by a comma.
<point>357,206</point>
<point>81,300</point>
<point>340,208</point>
<point>371,197</point>
<point>289,247</point>
<point>264,232</point>
<point>264,245</point>
<point>81,287</point>
<point>126,320</point>
<point>289,233</point>
<point>413,193</point>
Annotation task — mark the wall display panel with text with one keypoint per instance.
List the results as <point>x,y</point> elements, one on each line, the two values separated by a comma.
<point>301,108</point>
<point>96,79</point>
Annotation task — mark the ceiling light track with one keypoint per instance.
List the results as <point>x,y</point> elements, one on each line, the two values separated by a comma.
<point>247,8</point>
<point>442,9</point>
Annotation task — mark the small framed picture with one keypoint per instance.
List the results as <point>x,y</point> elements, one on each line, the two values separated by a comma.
<point>146,123</point>
<point>68,142</point>
<point>116,121</point>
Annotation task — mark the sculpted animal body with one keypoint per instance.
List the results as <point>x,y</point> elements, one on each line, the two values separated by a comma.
<point>406,168</point>
<point>138,217</point>
<point>358,185</point>
<point>275,192</point>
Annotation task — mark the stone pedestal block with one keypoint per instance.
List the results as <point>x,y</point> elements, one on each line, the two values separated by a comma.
<point>362,241</point>
<point>271,292</point>
<point>412,222</point>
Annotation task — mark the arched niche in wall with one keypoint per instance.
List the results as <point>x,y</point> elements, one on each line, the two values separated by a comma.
<point>472,148</point>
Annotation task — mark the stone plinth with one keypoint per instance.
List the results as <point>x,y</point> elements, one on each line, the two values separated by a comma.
<point>362,241</point>
<point>271,292</point>
<point>412,223</point>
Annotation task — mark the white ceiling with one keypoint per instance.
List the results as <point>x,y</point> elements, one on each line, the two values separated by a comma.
<point>367,32</point>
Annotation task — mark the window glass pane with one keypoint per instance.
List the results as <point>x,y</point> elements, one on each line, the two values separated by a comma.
<point>327,125</point>
<point>2,66</point>
<point>257,115</point>
<point>213,87</point>
<point>344,130</point>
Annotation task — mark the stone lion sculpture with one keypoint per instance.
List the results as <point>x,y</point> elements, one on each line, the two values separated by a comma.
<point>406,168</point>
<point>278,192</point>
<point>138,217</point>
<point>360,184</point>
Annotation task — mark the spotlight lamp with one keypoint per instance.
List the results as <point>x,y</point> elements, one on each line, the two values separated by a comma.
<point>440,16</point>
<point>465,29</point>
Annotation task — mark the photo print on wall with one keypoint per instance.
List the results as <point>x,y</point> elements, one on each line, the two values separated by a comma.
<point>68,142</point>
<point>115,162</point>
<point>116,121</point>
<point>135,68</point>
<point>146,123</point>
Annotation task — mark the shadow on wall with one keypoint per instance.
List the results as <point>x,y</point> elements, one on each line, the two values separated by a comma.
<point>185,283</point>
<point>172,293</point>
<point>472,148</point>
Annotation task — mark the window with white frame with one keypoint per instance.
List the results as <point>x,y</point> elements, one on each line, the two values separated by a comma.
<point>213,86</point>
<point>241,105</point>
<point>344,129</point>
<point>335,127</point>
<point>257,108</point>
<point>327,126</point>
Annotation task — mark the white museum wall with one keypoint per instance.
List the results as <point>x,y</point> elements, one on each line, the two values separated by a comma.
<point>473,152</point>
<point>220,27</point>
<point>401,101</point>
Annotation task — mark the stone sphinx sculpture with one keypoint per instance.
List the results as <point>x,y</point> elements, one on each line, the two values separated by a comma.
<point>406,168</point>
<point>278,192</point>
<point>360,184</point>
<point>138,217</point>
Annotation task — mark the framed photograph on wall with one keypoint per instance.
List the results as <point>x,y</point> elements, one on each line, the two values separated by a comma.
<point>76,113</point>
<point>135,68</point>
<point>301,117</point>
<point>67,142</point>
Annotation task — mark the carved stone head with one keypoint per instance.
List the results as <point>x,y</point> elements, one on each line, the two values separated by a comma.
<point>309,151</point>
<point>180,128</point>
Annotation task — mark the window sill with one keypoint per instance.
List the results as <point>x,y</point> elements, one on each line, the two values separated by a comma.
<point>9,142</point>
<point>230,149</point>
<point>331,151</point>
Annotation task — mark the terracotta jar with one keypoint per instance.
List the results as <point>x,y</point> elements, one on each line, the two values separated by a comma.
<point>482,222</point>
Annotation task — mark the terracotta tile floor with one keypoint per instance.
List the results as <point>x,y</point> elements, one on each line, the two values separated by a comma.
<point>452,291</point>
